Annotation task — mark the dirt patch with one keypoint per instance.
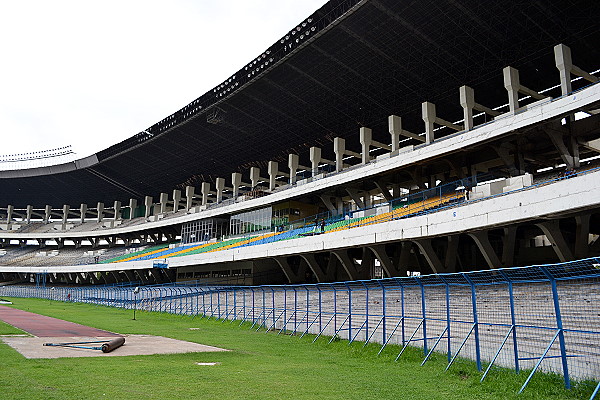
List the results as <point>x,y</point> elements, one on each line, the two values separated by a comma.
<point>135,345</point>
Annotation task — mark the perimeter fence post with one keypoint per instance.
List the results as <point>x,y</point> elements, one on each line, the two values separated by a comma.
<point>449,352</point>
<point>423,309</point>
<point>284,308</point>
<point>334,308</point>
<point>383,304</point>
<point>349,311</point>
<point>320,306</point>
<point>307,304</point>
<point>273,303</point>
<point>264,307</point>
<point>559,325</point>
<point>475,320</point>
<point>366,311</point>
<point>511,299</point>
<point>295,307</point>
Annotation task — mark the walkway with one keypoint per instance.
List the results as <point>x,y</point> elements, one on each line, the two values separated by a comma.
<point>42,326</point>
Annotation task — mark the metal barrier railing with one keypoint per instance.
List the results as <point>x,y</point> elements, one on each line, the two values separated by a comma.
<point>539,318</point>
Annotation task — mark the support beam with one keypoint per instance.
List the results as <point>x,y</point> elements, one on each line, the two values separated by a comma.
<point>148,206</point>
<point>132,207</point>
<point>482,241</point>
<point>176,199</point>
<point>164,202</point>
<point>428,113</point>
<point>509,242</point>
<point>386,262</point>
<point>582,234</point>
<point>189,197</point>
<point>429,254</point>
<point>467,101</point>
<point>205,191</point>
<point>291,276</point>
<point>513,88</point>
<point>564,64</point>
<point>220,186</point>
<point>312,263</point>
<point>552,231</point>
<point>348,264</point>
<point>355,197</point>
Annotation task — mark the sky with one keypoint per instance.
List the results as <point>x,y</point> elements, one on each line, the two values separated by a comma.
<point>91,74</point>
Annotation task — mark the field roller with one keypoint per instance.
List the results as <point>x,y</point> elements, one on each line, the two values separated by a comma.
<point>106,347</point>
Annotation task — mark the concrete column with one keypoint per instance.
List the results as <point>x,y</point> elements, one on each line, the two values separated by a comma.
<point>313,264</point>
<point>189,196</point>
<point>395,127</point>
<point>132,207</point>
<point>29,213</point>
<point>512,84</point>
<point>428,114</point>
<point>9,213</point>
<point>100,209</point>
<point>366,137</point>
<point>117,208</point>
<point>315,159</point>
<point>176,199</point>
<point>339,147</point>
<point>293,163</point>
<point>482,241</point>
<point>327,201</point>
<point>564,64</point>
<point>66,209</point>
<point>254,176</point>
<point>47,213</point>
<point>205,190</point>
<point>164,201</point>
<point>236,182</point>
<point>220,186</point>
<point>148,205</point>
<point>467,101</point>
<point>82,212</point>
<point>273,170</point>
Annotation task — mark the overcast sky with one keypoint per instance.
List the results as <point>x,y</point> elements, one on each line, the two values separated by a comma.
<point>91,74</point>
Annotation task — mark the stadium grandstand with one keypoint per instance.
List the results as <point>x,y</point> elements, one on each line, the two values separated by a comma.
<point>375,139</point>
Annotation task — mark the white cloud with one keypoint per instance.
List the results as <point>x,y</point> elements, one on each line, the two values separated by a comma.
<point>90,74</point>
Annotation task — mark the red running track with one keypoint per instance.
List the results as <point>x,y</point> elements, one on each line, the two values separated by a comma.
<point>42,326</point>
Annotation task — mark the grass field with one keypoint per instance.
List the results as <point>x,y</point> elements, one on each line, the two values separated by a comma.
<point>260,366</point>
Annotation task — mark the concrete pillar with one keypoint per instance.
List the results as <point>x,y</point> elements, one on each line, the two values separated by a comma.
<point>467,101</point>
<point>273,170</point>
<point>117,208</point>
<point>339,147</point>
<point>132,207</point>
<point>254,176</point>
<point>293,163</point>
<point>82,212</point>
<point>220,186</point>
<point>66,209</point>
<point>236,182</point>
<point>163,201</point>
<point>315,159</point>
<point>9,213</point>
<point>47,213</point>
<point>176,199</point>
<point>395,127</point>
<point>29,213</point>
<point>205,190</point>
<point>148,206</point>
<point>100,209</point>
<point>189,197</point>
<point>512,84</point>
<point>428,114</point>
<point>366,137</point>
<point>564,64</point>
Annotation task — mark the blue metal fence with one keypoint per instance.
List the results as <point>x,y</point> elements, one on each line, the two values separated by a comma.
<point>539,318</point>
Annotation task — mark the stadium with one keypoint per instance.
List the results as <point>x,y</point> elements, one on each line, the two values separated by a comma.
<point>411,174</point>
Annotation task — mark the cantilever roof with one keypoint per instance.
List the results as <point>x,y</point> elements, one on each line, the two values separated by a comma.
<point>363,61</point>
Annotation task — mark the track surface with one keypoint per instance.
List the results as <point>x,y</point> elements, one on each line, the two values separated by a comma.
<point>42,326</point>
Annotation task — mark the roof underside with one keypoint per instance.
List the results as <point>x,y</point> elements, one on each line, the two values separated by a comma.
<point>380,57</point>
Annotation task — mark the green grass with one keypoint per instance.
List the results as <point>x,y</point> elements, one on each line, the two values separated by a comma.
<point>260,366</point>
<point>6,329</point>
